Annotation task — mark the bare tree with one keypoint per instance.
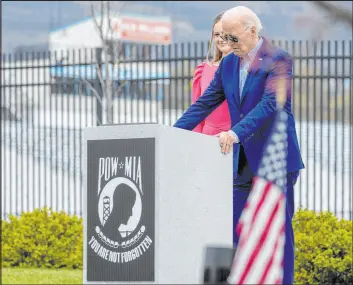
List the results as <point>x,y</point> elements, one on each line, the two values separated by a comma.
<point>335,11</point>
<point>105,14</point>
<point>321,18</point>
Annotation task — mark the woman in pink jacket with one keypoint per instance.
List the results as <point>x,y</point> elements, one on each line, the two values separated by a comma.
<point>219,120</point>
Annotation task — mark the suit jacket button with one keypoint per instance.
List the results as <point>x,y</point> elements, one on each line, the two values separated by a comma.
<point>241,115</point>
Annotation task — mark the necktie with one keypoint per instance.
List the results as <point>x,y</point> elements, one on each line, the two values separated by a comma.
<point>243,74</point>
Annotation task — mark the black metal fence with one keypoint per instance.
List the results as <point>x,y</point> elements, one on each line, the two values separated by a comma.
<point>48,98</point>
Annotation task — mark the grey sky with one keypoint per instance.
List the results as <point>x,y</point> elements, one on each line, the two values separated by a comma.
<point>28,23</point>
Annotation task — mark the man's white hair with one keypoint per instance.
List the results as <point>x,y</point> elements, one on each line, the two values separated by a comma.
<point>247,16</point>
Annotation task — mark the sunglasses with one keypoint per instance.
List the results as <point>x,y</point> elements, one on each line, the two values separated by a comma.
<point>229,38</point>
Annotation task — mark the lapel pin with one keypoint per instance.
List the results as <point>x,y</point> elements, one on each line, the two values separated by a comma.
<point>260,58</point>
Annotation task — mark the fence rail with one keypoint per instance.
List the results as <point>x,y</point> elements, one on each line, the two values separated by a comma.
<point>47,99</point>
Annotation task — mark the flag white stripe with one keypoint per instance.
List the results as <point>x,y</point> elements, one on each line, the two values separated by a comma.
<point>273,274</point>
<point>255,195</point>
<point>267,251</point>
<point>253,199</point>
<point>254,234</point>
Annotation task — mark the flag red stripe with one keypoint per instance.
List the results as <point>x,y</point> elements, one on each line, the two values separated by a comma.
<point>270,262</point>
<point>263,198</point>
<point>266,189</point>
<point>240,224</point>
<point>239,228</point>
<point>260,242</point>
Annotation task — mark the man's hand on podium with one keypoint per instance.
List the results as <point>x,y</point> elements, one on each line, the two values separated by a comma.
<point>226,141</point>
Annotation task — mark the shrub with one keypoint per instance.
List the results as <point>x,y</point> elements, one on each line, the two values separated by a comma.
<point>323,248</point>
<point>42,238</point>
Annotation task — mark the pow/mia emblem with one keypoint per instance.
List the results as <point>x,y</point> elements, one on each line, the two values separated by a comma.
<point>121,227</point>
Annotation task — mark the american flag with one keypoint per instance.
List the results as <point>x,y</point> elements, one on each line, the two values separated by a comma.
<point>259,255</point>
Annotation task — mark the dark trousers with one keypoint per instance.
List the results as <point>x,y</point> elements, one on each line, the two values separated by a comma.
<point>241,189</point>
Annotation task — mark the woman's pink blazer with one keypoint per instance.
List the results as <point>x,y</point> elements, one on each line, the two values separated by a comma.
<point>219,120</point>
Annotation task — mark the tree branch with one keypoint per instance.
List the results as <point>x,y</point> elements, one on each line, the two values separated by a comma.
<point>93,90</point>
<point>109,22</point>
<point>119,88</point>
<point>104,28</point>
<point>336,12</point>
<point>95,94</point>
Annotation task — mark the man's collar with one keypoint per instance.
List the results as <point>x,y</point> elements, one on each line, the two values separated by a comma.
<point>254,51</point>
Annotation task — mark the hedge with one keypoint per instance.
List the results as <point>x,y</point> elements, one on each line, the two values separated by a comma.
<point>47,239</point>
<point>42,238</point>
<point>323,248</point>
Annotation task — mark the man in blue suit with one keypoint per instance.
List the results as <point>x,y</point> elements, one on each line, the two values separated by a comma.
<point>247,79</point>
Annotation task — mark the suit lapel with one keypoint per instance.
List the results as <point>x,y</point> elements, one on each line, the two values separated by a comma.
<point>236,80</point>
<point>258,64</point>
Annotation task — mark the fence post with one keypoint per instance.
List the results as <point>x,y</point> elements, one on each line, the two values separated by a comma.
<point>99,101</point>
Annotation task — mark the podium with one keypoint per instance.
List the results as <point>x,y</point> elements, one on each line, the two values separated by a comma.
<point>154,197</point>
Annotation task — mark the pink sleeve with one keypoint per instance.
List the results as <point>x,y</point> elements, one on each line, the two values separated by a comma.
<point>196,92</point>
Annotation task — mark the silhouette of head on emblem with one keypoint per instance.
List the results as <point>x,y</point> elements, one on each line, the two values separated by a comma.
<point>123,201</point>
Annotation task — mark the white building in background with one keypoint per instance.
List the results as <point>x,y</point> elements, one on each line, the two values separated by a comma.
<point>76,44</point>
<point>127,28</point>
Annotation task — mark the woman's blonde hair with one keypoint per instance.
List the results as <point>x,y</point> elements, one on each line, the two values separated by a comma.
<point>217,54</point>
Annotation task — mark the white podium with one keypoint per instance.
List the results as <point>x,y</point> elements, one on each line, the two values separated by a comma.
<point>154,198</point>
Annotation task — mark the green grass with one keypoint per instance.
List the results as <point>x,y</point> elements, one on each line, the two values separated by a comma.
<point>40,276</point>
